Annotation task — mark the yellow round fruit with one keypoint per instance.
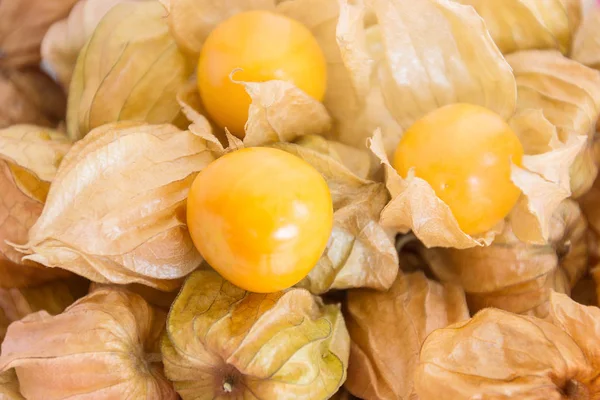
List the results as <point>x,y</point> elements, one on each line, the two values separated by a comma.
<point>265,46</point>
<point>261,217</point>
<point>464,152</point>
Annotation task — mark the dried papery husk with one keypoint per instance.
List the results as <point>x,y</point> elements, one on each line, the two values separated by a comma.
<point>115,212</point>
<point>23,24</point>
<point>154,297</point>
<point>388,328</point>
<point>9,386</point>
<point>130,69</point>
<point>517,276</point>
<point>497,355</point>
<point>105,345</point>
<point>586,45</point>
<point>29,158</point>
<point>360,252</point>
<point>28,96</point>
<point>51,297</point>
<point>65,38</point>
<point>568,94</point>
<point>528,24</point>
<point>223,342</point>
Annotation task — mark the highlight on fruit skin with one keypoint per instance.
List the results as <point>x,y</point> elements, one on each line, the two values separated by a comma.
<point>464,152</point>
<point>261,217</point>
<point>256,46</point>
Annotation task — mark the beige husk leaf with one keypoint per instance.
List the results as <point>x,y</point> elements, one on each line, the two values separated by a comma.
<point>29,158</point>
<point>9,386</point>
<point>191,21</point>
<point>499,355</point>
<point>28,96</point>
<point>529,24</point>
<point>106,345</point>
<point>516,276</point>
<point>52,297</point>
<point>130,69</point>
<point>586,45</point>
<point>65,38</point>
<point>223,342</point>
<point>154,297</point>
<point>388,328</point>
<point>568,94</point>
<point>116,210</point>
<point>22,27</point>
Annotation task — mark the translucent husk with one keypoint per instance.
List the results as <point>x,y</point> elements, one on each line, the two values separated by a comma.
<point>223,342</point>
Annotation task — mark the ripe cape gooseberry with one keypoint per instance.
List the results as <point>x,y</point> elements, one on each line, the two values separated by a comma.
<point>261,217</point>
<point>464,152</point>
<point>263,46</point>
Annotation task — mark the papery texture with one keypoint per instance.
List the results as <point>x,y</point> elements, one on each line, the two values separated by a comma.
<point>528,24</point>
<point>65,38</point>
<point>224,342</point>
<point>116,210</point>
<point>498,355</point>
<point>154,297</point>
<point>103,346</point>
<point>28,96</point>
<point>586,45</point>
<point>9,386</point>
<point>514,275</point>
<point>23,24</point>
<point>568,93</point>
<point>388,328</point>
<point>360,252</point>
<point>29,158</point>
<point>130,69</point>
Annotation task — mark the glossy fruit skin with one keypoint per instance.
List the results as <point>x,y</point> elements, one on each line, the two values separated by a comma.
<point>464,152</point>
<point>265,46</point>
<point>260,217</point>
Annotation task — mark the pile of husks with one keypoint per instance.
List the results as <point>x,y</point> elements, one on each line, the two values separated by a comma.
<point>102,131</point>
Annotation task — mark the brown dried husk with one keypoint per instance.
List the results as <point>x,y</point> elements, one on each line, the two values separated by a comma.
<point>23,24</point>
<point>28,96</point>
<point>499,355</point>
<point>115,212</point>
<point>106,345</point>
<point>528,24</point>
<point>29,157</point>
<point>130,69</point>
<point>65,38</point>
<point>388,328</point>
<point>568,94</point>
<point>586,45</point>
<point>223,342</point>
<point>516,276</point>
<point>9,386</point>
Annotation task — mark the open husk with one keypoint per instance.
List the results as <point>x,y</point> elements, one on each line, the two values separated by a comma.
<point>388,328</point>
<point>224,342</point>
<point>103,346</point>
<point>130,69</point>
<point>497,355</point>
<point>29,158</point>
<point>115,212</point>
<point>514,275</point>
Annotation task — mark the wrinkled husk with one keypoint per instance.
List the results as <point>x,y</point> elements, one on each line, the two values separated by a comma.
<point>388,328</point>
<point>23,24</point>
<point>568,94</point>
<point>115,212</point>
<point>52,297</point>
<point>9,386</point>
<point>130,69</point>
<point>154,297</point>
<point>103,346</point>
<point>528,24</point>
<point>224,342</point>
<point>586,45</point>
<point>498,355</point>
<point>29,158</point>
<point>65,38</point>
<point>28,96</point>
<point>516,276</point>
